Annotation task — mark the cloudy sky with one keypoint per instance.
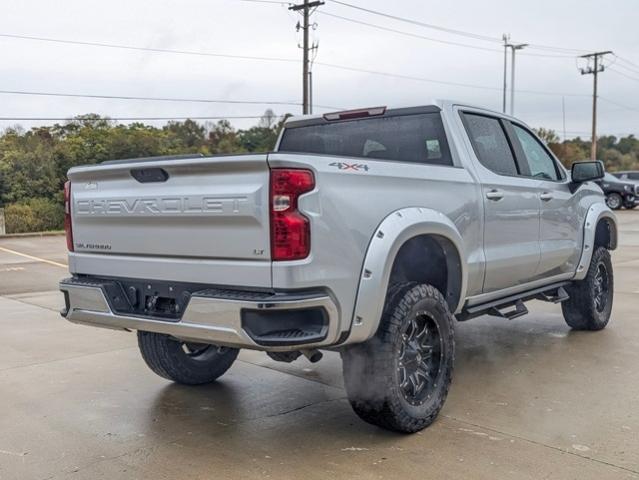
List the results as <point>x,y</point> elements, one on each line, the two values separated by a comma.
<point>471,72</point>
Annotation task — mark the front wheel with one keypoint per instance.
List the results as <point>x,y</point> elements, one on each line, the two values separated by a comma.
<point>400,378</point>
<point>184,362</point>
<point>614,201</point>
<point>590,303</point>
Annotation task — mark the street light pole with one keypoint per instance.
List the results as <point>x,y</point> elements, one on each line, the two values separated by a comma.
<point>514,48</point>
<point>505,38</point>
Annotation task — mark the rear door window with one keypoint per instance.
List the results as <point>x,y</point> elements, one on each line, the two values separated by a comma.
<point>418,138</point>
<point>490,143</point>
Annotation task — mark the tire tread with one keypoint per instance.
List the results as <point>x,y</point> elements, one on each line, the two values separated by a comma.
<point>164,356</point>
<point>579,311</point>
<point>379,354</point>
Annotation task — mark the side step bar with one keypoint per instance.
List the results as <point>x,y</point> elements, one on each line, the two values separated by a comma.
<point>519,311</point>
<point>555,293</point>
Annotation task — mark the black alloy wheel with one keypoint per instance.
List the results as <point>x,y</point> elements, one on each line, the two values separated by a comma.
<point>420,359</point>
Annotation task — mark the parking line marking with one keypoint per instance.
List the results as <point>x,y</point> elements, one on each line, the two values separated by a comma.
<point>37,259</point>
<point>12,269</point>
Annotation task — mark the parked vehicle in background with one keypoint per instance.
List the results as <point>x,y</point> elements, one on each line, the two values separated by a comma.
<point>619,193</point>
<point>367,232</point>
<point>628,175</point>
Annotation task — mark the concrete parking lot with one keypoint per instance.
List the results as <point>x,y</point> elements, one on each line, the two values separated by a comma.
<point>530,398</point>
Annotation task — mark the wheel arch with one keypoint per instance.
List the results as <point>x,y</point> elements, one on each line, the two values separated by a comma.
<point>392,253</point>
<point>600,230</point>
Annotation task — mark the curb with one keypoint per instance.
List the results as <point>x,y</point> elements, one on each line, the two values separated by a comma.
<point>33,234</point>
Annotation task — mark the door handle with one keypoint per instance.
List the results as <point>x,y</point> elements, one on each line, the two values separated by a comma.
<point>494,194</point>
<point>546,196</point>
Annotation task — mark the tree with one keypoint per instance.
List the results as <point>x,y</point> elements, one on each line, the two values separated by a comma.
<point>34,163</point>
<point>547,135</point>
<point>222,138</point>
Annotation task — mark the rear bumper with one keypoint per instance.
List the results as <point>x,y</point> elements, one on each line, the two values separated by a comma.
<point>256,320</point>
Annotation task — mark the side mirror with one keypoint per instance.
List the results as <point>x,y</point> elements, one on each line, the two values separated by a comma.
<point>585,171</point>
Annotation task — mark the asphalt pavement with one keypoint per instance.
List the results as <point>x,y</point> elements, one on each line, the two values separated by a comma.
<point>530,398</point>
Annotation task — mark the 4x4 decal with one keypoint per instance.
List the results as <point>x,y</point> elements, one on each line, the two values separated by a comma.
<point>358,167</point>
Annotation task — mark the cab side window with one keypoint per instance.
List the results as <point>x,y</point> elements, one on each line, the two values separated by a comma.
<point>540,163</point>
<point>490,143</point>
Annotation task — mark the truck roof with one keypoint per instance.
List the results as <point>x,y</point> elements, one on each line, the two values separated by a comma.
<point>433,105</point>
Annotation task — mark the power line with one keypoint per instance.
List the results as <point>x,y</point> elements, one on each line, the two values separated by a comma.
<point>627,61</point>
<point>421,24</point>
<point>157,99</point>
<point>405,77</point>
<point>476,36</point>
<point>210,54</point>
<point>626,67</point>
<point>623,74</point>
<point>409,34</point>
<point>148,49</point>
<point>620,105</point>
<point>569,51</point>
<point>250,57</point>
<point>227,117</point>
<point>442,82</point>
<point>431,39</point>
<point>290,60</point>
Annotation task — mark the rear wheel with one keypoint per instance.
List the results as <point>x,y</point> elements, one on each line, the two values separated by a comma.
<point>400,378</point>
<point>590,303</point>
<point>614,201</point>
<point>184,362</point>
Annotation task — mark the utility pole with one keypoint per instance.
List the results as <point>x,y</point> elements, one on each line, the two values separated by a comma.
<point>310,92</point>
<point>514,48</point>
<point>598,67</point>
<point>505,38</point>
<point>306,9</point>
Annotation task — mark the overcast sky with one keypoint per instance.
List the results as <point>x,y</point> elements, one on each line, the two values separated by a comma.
<point>265,29</point>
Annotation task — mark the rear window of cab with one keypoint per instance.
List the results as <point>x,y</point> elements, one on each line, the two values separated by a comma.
<point>416,138</point>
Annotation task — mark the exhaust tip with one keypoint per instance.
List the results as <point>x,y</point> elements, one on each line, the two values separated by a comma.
<point>313,356</point>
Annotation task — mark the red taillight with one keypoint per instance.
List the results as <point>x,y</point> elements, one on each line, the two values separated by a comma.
<point>67,215</point>
<point>290,230</point>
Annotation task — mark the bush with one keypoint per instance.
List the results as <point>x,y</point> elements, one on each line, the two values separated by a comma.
<point>34,215</point>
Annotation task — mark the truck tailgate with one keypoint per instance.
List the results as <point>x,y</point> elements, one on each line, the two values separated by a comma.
<point>213,208</point>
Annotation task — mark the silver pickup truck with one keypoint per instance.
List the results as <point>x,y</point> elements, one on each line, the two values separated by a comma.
<point>368,232</point>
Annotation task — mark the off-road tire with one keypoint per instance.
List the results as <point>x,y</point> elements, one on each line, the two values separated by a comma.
<point>581,310</point>
<point>371,369</point>
<point>167,357</point>
<point>614,201</point>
